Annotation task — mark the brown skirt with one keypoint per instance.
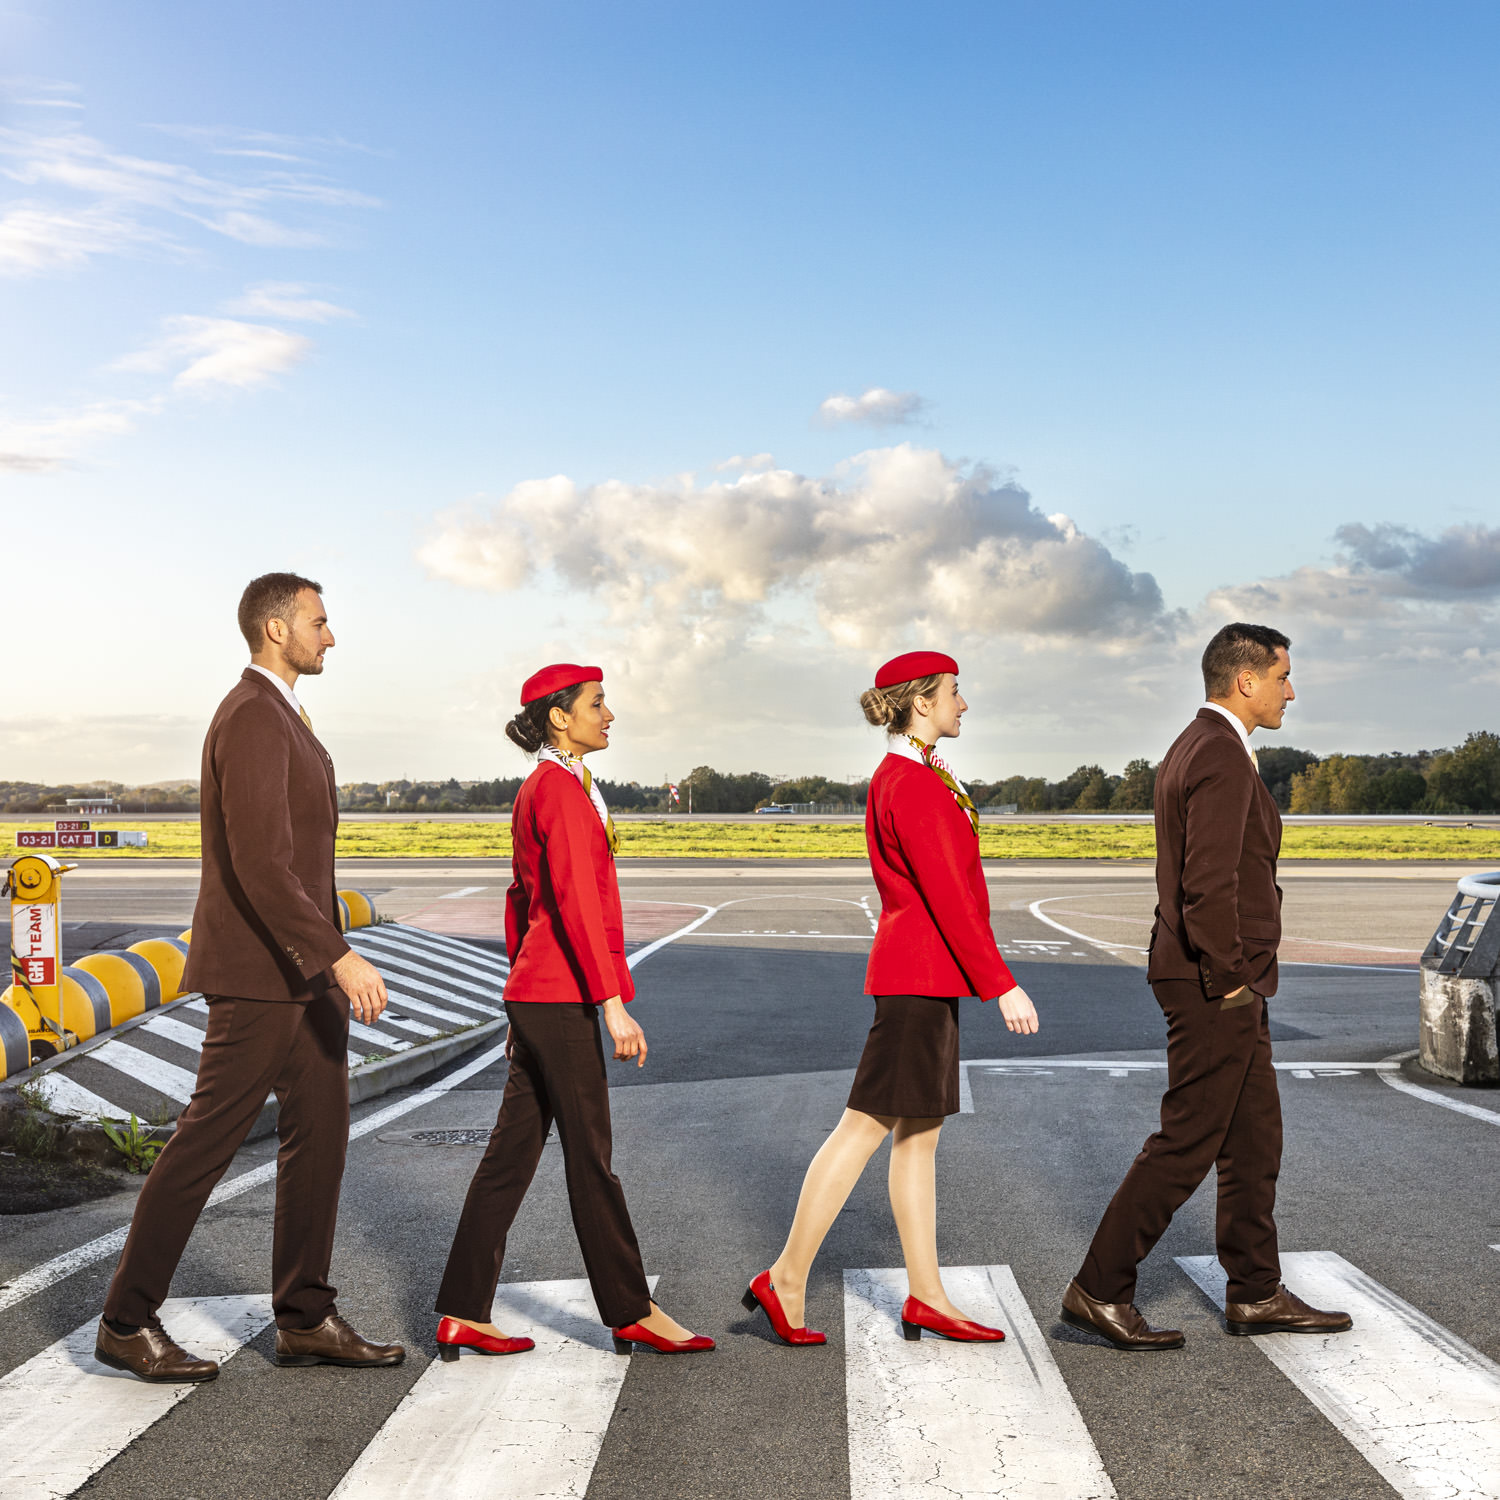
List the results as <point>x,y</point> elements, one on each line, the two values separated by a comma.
<point>910,1063</point>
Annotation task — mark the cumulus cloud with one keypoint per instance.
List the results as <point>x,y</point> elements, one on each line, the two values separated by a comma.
<point>216,352</point>
<point>47,443</point>
<point>878,407</point>
<point>899,547</point>
<point>1463,561</point>
<point>84,199</point>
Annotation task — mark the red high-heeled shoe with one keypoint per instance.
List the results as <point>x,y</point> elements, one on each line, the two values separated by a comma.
<point>760,1293</point>
<point>637,1333</point>
<point>915,1316</point>
<point>453,1336</point>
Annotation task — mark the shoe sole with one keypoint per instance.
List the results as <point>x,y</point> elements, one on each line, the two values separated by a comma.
<point>1253,1330</point>
<point>302,1361</point>
<point>1074,1321</point>
<point>120,1364</point>
<point>912,1333</point>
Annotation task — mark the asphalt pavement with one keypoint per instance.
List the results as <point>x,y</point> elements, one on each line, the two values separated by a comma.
<point>755,1021</point>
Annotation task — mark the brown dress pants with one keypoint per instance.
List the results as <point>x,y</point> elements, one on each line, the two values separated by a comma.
<point>1221,1108</point>
<point>299,1050</point>
<point>556,1073</point>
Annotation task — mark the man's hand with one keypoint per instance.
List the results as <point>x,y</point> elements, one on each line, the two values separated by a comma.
<point>1019,1012</point>
<point>360,980</point>
<point>629,1039</point>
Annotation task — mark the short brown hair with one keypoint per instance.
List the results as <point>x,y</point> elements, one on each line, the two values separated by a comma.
<point>1234,649</point>
<point>891,708</point>
<point>272,596</point>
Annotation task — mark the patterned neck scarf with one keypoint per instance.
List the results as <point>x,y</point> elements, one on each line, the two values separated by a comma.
<point>911,748</point>
<point>574,763</point>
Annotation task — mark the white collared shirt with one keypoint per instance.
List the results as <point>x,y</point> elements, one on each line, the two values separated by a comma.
<point>280,682</point>
<point>1239,729</point>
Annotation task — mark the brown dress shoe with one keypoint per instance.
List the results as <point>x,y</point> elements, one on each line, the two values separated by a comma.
<point>332,1342</point>
<point>150,1354</point>
<point>1283,1312</point>
<point>1119,1322</point>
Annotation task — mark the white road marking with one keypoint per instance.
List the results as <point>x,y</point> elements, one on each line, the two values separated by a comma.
<point>518,1427</point>
<point>848,937</point>
<point>173,1030</point>
<point>166,1078</point>
<point>434,968</point>
<point>69,1098</point>
<point>1419,1403</point>
<point>390,1018</point>
<point>468,890</point>
<point>50,1272</point>
<point>454,950</point>
<point>946,1419</point>
<point>1432,1096</point>
<point>1036,910</point>
<point>63,1415</point>
<point>397,975</point>
<point>642,954</point>
<point>380,1039</point>
<point>426,1008</point>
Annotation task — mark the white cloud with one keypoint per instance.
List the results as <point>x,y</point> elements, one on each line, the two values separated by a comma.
<point>738,588</point>
<point>47,443</point>
<point>878,407</point>
<point>754,463</point>
<point>220,352</point>
<point>85,199</point>
<point>286,299</point>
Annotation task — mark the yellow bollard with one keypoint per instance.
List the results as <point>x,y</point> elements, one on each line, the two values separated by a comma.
<point>122,983</point>
<point>15,1045</point>
<point>361,908</point>
<point>85,1004</point>
<point>167,956</point>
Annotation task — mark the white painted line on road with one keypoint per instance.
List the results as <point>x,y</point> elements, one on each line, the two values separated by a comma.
<point>390,1018</point>
<point>848,937</point>
<point>521,1427</point>
<point>380,1039</point>
<point>864,901</point>
<point>1418,1402</point>
<point>398,973</point>
<point>1432,1096</point>
<point>452,949</point>
<point>63,1415</point>
<point>468,890</point>
<point>166,1078</point>
<point>642,954</point>
<point>50,1272</point>
<point>437,968</point>
<point>69,1098</point>
<point>173,1030</point>
<point>1036,910</point>
<point>426,1008</point>
<point>937,1418</point>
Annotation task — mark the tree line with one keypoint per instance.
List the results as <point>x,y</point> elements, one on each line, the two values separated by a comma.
<point>1464,779</point>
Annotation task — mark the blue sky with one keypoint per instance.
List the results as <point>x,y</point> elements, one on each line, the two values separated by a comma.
<point>347,288</point>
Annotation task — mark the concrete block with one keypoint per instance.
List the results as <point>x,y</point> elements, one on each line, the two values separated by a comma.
<point>1458,1026</point>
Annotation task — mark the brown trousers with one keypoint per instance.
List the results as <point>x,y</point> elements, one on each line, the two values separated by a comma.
<point>299,1050</point>
<point>556,1073</point>
<point>1221,1108</point>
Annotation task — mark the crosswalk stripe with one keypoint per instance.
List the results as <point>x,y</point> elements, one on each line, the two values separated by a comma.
<point>63,1416</point>
<point>382,1039</point>
<point>406,971</point>
<point>942,1419</point>
<point>166,1078</point>
<point>173,1030</point>
<point>69,1098</point>
<point>1418,1402</point>
<point>462,956</point>
<point>405,1023</point>
<point>426,1008</point>
<point>520,1427</point>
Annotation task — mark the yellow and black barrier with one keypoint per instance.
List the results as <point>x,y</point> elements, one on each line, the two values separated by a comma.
<point>355,910</point>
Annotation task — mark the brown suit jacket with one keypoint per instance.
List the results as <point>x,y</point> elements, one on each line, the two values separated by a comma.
<point>1218,833</point>
<point>266,924</point>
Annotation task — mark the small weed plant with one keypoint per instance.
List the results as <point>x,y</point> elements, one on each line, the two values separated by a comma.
<point>133,1142</point>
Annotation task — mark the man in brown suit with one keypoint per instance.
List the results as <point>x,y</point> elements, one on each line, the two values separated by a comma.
<point>280,982</point>
<point>1212,968</point>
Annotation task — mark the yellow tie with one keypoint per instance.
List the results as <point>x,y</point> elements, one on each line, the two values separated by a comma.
<point>302,712</point>
<point>1255,760</point>
<point>610,835</point>
<point>959,795</point>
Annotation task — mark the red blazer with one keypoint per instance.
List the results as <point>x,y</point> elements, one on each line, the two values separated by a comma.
<point>266,924</point>
<point>564,928</point>
<point>934,936</point>
<point>1218,834</point>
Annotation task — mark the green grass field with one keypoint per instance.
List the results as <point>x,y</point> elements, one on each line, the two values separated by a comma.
<point>770,840</point>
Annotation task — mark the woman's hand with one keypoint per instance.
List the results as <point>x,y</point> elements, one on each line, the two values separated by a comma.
<point>1019,1012</point>
<point>629,1039</point>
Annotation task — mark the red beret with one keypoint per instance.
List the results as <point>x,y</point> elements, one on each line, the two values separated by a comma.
<point>554,679</point>
<point>912,665</point>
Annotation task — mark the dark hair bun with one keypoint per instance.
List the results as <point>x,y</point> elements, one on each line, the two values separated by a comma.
<point>523,730</point>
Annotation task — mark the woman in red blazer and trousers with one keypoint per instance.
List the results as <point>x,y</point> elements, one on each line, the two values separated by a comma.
<point>565,934</point>
<point>933,944</point>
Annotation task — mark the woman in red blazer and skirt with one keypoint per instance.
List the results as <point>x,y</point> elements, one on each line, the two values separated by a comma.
<point>566,936</point>
<point>933,945</point>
